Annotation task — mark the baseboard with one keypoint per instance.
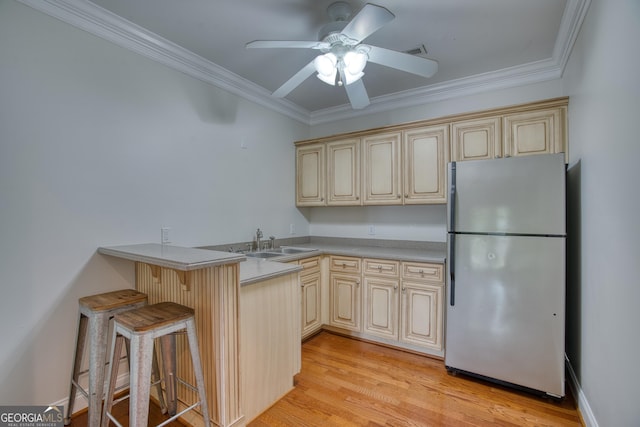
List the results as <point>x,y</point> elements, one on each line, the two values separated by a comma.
<point>586,413</point>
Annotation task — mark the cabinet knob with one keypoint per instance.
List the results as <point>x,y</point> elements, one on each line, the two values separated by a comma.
<point>395,287</point>
<point>379,268</point>
<point>399,196</point>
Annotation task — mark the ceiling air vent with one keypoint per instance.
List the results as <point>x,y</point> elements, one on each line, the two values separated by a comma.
<point>417,51</point>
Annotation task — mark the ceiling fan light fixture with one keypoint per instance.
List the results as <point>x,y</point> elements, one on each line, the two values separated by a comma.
<point>326,67</point>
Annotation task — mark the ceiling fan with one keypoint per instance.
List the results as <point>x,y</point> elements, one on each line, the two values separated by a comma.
<point>343,55</point>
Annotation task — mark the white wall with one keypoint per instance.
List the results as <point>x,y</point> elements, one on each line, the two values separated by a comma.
<point>604,202</point>
<point>101,146</point>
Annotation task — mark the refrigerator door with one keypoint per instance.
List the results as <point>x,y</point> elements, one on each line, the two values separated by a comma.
<point>507,321</point>
<point>519,195</point>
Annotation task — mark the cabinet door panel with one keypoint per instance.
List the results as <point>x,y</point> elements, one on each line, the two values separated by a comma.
<point>382,169</point>
<point>345,301</point>
<point>534,132</point>
<point>422,314</point>
<point>310,175</point>
<point>425,159</point>
<point>343,172</point>
<point>476,139</point>
<point>381,307</point>
<point>311,309</point>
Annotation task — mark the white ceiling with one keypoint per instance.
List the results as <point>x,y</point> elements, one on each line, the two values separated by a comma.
<point>477,43</point>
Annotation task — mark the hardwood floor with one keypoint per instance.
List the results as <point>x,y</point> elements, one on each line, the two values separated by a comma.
<point>345,382</point>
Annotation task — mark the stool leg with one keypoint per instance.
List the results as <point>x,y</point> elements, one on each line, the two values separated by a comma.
<point>197,369</point>
<point>140,385</point>
<point>98,327</point>
<point>112,377</point>
<point>157,379</point>
<point>77,365</point>
<point>168,350</point>
<point>155,376</point>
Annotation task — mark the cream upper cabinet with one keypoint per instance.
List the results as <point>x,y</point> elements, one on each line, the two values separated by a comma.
<point>382,173</point>
<point>310,175</point>
<point>535,132</point>
<point>425,157</point>
<point>343,172</point>
<point>476,139</point>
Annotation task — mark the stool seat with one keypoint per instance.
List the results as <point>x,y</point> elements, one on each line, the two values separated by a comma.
<point>112,300</point>
<point>154,316</point>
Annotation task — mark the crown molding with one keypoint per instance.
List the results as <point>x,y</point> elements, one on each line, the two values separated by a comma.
<point>106,25</point>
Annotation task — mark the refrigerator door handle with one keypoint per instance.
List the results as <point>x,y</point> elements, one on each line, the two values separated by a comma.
<point>452,236</point>
<point>452,197</point>
<point>452,266</point>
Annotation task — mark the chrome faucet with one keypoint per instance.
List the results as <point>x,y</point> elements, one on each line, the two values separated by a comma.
<point>258,238</point>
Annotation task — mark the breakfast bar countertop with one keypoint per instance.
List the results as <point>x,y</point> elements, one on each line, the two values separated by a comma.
<point>176,257</point>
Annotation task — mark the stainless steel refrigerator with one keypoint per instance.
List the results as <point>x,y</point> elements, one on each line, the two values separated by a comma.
<point>505,314</point>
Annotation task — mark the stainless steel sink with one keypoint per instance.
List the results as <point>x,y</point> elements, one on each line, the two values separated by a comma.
<point>291,250</point>
<point>278,252</point>
<point>263,254</point>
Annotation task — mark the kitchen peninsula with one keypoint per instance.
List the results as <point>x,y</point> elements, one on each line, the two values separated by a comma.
<point>210,282</point>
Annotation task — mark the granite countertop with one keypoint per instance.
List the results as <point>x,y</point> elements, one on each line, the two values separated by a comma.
<point>176,257</point>
<point>256,270</point>
<point>434,253</point>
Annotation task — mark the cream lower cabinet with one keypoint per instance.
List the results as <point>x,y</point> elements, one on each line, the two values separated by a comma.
<point>422,302</point>
<point>405,306</point>
<point>311,305</point>
<point>345,293</point>
<point>381,288</point>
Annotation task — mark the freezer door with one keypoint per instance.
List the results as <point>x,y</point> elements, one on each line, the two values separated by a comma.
<point>507,321</point>
<point>519,195</point>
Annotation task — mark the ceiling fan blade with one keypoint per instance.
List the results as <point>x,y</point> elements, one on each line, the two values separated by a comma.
<point>294,81</point>
<point>403,61</point>
<point>287,44</point>
<point>370,19</point>
<point>357,94</point>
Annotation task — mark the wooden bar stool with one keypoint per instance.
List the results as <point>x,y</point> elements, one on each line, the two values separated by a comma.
<point>95,311</point>
<point>141,327</point>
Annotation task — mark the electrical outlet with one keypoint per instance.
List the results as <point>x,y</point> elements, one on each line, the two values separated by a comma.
<point>372,230</point>
<point>292,229</point>
<point>164,235</point>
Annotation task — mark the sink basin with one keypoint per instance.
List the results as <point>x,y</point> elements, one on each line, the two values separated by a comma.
<point>292,250</point>
<point>263,254</point>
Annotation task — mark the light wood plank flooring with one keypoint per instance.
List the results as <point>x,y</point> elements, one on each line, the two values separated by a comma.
<point>345,382</point>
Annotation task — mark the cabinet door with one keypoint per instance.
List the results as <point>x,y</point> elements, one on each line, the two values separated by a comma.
<point>382,173</point>
<point>421,314</point>
<point>381,307</point>
<point>343,172</point>
<point>425,155</point>
<point>476,139</point>
<point>345,296</point>
<point>310,175</point>
<point>534,132</point>
<point>311,308</point>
